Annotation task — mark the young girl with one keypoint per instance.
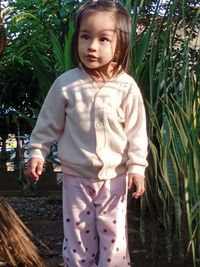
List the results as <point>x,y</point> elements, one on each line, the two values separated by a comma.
<point>97,114</point>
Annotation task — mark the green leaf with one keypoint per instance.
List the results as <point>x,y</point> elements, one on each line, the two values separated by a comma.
<point>68,64</point>
<point>57,49</point>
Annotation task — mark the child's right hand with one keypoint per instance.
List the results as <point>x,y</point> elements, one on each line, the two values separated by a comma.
<point>34,168</point>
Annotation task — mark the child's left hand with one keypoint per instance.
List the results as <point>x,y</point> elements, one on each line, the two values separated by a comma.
<point>137,181</point>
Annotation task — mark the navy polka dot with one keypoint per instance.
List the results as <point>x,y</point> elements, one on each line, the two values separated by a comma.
<point>87,231</point>
<point>108,260</point>
<point>68,220</point>
<point>88,212</point>
<point>74,250</point>
<point>105,231</point>
<point>113,240</point>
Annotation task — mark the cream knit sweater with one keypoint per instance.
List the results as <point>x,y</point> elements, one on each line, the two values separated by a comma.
<point>101,132</point>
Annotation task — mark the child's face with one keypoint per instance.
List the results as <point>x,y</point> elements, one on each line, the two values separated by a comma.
<point>97,40</point>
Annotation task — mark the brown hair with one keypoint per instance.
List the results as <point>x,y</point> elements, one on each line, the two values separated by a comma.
<point>123,28</point>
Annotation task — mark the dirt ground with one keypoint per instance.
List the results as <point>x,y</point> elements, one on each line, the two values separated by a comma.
<point>43,216</point>
<point>141,256</point>
<point>49,236</point>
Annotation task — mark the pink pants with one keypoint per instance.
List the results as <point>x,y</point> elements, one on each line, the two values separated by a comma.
<point>95,227</point>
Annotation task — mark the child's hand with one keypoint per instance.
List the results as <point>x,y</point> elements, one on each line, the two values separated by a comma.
<point>34,168</point>
<point>137,181</point>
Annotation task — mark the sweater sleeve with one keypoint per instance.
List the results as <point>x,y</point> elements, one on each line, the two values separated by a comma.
<point>135,129</point>
<point>50,122</point>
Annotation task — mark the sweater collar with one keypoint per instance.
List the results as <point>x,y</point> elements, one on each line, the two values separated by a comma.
<point>88,81</point>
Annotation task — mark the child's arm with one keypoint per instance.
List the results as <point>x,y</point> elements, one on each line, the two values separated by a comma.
<point>136,133</point>
<point>34,168</point>
<point>135,129</point>
<point>49,126</point>
<point>137,181</point>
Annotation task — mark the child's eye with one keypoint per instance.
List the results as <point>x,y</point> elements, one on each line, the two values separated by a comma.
<point>84,36</point>
<point>104,39</point>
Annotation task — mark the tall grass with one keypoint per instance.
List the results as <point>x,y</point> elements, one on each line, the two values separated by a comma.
<point>167,69</point>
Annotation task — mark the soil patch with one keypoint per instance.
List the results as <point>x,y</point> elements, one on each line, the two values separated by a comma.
<point>43,216</point>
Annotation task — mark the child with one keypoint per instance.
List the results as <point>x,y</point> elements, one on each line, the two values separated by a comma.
<point>97,114</point>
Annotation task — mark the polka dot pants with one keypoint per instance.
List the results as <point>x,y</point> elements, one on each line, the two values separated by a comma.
<point>95,229</point>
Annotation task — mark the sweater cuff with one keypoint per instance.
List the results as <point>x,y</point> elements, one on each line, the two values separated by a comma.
<point>37,153</point>
<point>137,169</point>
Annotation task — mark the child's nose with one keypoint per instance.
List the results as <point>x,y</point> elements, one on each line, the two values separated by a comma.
<point>92,45</point>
